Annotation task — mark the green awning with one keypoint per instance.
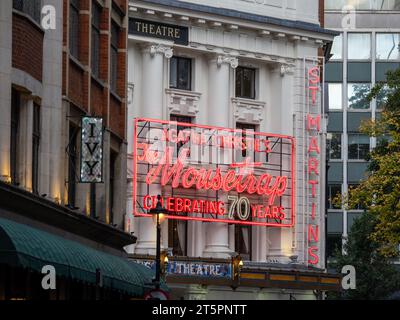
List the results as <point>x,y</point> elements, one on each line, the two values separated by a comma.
<point>28,247</point>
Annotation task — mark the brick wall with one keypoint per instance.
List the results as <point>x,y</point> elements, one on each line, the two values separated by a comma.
<point>27,46</point>
<point>75,85</point>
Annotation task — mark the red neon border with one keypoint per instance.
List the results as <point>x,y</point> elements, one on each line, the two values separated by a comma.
<point>280,225</point>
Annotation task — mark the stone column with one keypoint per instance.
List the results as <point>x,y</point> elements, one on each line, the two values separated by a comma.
<point>152,103</point>
<point>282,78</point>
<point>219,114</point>
<point>52,114</point>
<point>5,87</point>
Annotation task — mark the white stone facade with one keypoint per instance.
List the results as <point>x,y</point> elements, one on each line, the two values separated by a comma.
<point>218,43</point>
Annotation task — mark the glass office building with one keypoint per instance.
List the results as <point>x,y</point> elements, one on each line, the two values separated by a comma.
<point>369,46</point>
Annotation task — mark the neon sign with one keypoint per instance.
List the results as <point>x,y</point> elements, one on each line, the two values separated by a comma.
<point>214,174</point>
<point>313,129</point>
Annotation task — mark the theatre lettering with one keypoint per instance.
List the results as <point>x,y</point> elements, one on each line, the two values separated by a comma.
<point>214,174</point>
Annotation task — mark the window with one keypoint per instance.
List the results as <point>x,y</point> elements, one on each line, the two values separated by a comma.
<point>181,119</point>
<point>15,105</point>
<point>335,96</point>
<point>72,162</point>
<point>333,191</point>
<point>243,239</point>
<point>247,131</point>
<point>359,46</point>
<point>381,98</point>
<point>115,30</point>
<point>334,146</point>
<point>31,7</point>
<point>177,237</point>
<point>35,148</point>
<point>333,243</point>
<point>113,163</point>
<point>96,14</point>
<point>177,230</point>
<point>388,46</point>
<point>245,83</point>
<point>363,4</point>
<point>358,146</point>
<point>74,28</point>
<point>181,73</point>
<point>351,218</point>
<point>358,96</point>
<point>359,206</point>
<point>337,48</point>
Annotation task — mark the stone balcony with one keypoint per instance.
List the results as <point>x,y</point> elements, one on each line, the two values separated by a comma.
<point>182,102</point>
<point>248,110</point>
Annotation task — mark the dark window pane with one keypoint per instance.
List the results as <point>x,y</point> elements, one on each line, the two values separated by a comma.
<point>74,28</point>
<point>357,96</point>
<point>333,243</point>
<point>15,105</point>
<point>114,55</point>
<point>174,72</point>
<point>181,73</point>
<point>35,148</point>
<point>30,7</point>
<point>245,82</point>
<point>334,146</point>
<point>243,241</point>
<point>358,146</point>
<point>95,54</point>
<point>72,163</point>
<point>333,191</point>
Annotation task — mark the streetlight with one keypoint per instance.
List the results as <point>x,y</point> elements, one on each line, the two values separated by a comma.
<point>157,211</point>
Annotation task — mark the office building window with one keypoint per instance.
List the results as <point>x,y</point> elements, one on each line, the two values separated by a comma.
<point>334,146</point>
<point>72,151</point>
<point>359,46</point>
<point>30,7</point>
<point>115,31</point>
<point>35,148</point>
<point>245,83</point>
<point>95,54</point>
<point>358,206</point>
<point>333,244</point>
<point>334,190</point>
<point>381,98</point>
<point>388,46</point>
<point>351,218</point>
<point>74,28</point>
<point>379,5</point>
<point>358,96</point>
<point>181,73</point>
<point>15,105</point>
<point>337,48</point>
<point>335,96</point>
<point>358,146</point>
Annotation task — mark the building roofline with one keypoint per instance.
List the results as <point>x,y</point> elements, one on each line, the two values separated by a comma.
<point>293,24</point>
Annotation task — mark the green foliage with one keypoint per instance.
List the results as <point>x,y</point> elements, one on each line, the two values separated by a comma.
<point>379,194</point>
<point>376,277</point>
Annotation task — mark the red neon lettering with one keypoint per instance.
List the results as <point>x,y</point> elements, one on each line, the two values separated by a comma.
<point>205,180</point>
<point>313,164</point>
<point>314,147</point>
<point>313,253</point>
<point>314,209</point>
<point>314,123</point>
<point>313,233</point>
<point>314,187</point>
<point>313,74</point>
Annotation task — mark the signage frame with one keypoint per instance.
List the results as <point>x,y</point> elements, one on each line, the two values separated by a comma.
<point>202,219</point>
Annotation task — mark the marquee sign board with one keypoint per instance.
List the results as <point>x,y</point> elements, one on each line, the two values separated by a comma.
<point>193,268</point>
<point>91,150</point>
<point>214,174</point>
